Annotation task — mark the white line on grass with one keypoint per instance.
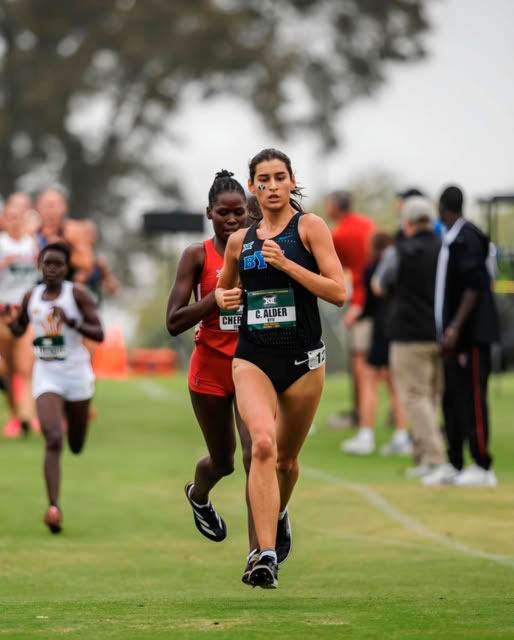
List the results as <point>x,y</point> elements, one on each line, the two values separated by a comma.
<point>158,392</point>
<point>408,522</point>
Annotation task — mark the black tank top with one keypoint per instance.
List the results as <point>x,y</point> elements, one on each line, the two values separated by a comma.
<point>257,276</point>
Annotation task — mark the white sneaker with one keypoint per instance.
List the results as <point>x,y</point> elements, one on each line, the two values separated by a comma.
<point>363,444</point>
<point>442,474</point>
<point>475,476</point>
<point>420,471</point>
<point>397,447</point>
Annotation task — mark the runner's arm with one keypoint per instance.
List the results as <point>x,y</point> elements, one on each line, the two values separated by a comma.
<point>90,327</point>
<point>17,321</point>
<point>180,315</point>
<point>329,284</point>
<point>228,294</point>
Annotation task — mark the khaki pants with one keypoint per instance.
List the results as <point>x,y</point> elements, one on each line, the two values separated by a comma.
<point>417,373</point>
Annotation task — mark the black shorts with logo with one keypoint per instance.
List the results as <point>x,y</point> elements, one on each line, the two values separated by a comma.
<point>283,368</point>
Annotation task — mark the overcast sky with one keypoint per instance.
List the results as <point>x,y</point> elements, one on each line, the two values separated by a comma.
<point>448,119</point>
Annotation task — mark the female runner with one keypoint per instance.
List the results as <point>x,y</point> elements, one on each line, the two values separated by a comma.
<point>284,263</point>
<point>18,273</point>
<point>61,313</point>
<point>210,373</point>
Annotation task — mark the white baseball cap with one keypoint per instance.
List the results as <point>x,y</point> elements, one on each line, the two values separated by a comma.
<point>417,208</point>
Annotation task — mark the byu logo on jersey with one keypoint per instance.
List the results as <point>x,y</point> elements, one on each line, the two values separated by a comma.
<point>248,246</point>
<point>255,260</point>
<point>270,300</point>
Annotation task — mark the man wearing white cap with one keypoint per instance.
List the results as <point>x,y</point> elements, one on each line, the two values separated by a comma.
<point>415,354</point>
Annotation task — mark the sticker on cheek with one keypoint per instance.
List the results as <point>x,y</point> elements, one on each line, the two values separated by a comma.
<point>262,187</point>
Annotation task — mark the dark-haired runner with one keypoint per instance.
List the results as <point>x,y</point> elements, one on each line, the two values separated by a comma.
<point>210,372</point>
<point>285,263</point>
<point>63,381</point>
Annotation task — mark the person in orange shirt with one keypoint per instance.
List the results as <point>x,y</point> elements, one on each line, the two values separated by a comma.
<point>352,235</point>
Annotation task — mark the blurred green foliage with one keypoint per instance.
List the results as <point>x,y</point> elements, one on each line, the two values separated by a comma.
<point>88,89</point>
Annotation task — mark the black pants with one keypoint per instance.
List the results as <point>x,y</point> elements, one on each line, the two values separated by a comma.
<point>466,415</point>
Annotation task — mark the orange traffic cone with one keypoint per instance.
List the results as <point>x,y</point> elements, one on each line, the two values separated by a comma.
<point>110,359</point>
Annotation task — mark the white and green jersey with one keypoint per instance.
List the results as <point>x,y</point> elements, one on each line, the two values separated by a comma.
<point>53,339</point>
<point>20,275</point>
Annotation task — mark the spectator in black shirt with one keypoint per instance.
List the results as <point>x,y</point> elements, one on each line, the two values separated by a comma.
<point>415,355</point>
<point>467,325</point>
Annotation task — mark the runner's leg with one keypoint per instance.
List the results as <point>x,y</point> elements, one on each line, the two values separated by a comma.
<point>297,407</point>
<point>246,445</point>
<point>49,408</point>
<point>215,417</point>
<point>77,415</point>
<point>259,417</point>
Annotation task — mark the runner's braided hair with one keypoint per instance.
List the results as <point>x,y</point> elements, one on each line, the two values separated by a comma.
<point>274,154</point>
<point>224,182</point>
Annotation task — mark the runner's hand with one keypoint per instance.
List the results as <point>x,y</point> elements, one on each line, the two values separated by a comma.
<point>60,315</point>
<point>9,313</point>
<point>273,254</point>
<point>232,299</point>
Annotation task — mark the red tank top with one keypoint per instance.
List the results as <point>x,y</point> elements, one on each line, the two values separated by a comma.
<point>218,330</point>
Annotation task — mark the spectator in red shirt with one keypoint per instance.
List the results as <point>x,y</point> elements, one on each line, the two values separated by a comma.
<point>352,240</point>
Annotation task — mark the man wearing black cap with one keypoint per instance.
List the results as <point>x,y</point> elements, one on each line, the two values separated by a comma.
<point>467,325</point>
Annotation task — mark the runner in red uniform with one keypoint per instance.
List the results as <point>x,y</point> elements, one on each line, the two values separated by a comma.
<point>210,372</point>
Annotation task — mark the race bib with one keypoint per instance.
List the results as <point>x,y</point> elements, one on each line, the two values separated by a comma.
<point>230,320</point>
<point>317,357</point>
<point>271,309</point>
<point>50,348</point>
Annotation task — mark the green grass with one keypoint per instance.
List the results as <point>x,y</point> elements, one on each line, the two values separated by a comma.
<point>376,556</point>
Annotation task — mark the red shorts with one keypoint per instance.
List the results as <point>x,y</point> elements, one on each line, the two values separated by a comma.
<point>210,372</point>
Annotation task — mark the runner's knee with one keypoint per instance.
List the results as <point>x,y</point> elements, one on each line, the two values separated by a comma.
<point>76,446</point>
<point>264,447</point>
<point>287,465</point>
<point>53,440</point>
<point>223,467</point>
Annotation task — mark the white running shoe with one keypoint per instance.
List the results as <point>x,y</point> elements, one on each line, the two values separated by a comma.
<point>475,476</point>
<point>420,471</point>
<point>363,444</point>
<point>397,447</point>
<point>442,474</point>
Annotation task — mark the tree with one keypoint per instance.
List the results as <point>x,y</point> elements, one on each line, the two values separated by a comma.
<point>87,88</point>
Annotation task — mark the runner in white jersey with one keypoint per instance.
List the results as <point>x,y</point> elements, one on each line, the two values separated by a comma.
<point>18,273</point>
<point>63,380</point>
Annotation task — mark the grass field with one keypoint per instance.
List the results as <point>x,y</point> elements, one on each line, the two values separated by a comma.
<point>376,556</point>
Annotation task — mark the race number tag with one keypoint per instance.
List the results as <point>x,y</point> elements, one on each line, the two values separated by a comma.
<point>271,309</point>
<point>317,358</point>
<point>230,320</point>
<point>50,348</point>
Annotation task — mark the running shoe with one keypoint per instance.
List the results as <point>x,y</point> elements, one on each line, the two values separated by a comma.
<point>13,428</point>
<point>264,573</point>
<point>207,521</point>
<point>284,542</point>
<point>420,470</point>
<point>250,561</point>
<point>443,474</point>
<point>397,446</point>
<point>363,444</point>
<point>475,476</point>
<point>53,519</point>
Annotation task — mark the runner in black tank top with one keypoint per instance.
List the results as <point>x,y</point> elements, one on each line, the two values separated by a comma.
<point>284,263</point>
<point>281,335</point>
